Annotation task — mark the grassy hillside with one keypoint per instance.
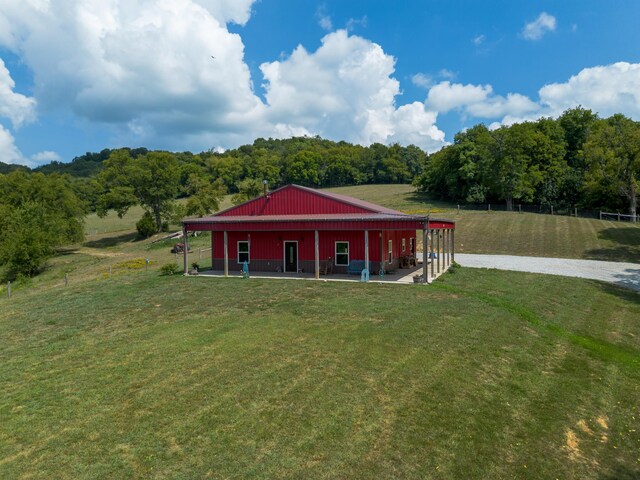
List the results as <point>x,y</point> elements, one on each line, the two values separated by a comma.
<point>483,375</point>
<point>512,233</point>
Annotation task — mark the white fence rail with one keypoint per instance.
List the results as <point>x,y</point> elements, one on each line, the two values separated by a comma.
<point>620,217</point>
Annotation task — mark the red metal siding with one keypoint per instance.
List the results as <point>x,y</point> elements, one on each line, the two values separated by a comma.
<point>293,201</point>
<point>270,245</point>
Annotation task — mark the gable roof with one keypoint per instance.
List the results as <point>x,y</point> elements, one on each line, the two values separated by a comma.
<point>298,200</point>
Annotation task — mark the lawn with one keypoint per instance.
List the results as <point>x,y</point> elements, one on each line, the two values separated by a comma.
<point>511,233</point>
<point>484,374</point>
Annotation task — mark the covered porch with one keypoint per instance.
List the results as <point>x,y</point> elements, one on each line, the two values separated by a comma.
<point>372,241</point>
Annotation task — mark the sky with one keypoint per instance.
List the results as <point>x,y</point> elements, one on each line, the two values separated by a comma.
<point>79,76</point>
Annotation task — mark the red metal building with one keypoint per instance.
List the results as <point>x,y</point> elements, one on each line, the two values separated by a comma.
<point>298,229</point>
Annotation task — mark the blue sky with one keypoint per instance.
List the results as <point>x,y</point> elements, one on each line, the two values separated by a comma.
<point>83,75</point>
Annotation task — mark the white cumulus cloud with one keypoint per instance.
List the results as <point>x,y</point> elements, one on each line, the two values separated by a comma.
<point>477,100</point>
<point>137,62</point>
<point>606,89</point>
<point>536,29</point>
<point>14,106</point>
<point>423,80</point>
<point>345,90</point>
<point>9,153</point>
<point>169,74</point>
<point>46,156</point>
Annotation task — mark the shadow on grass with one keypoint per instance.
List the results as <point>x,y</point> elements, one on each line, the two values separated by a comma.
<point>626,246</point>
<point>421,197</point>
<point>622,472</point>
<point>111,241</point>
<point>614,254</point>
<point>621,236</point>
<point>626,288</point>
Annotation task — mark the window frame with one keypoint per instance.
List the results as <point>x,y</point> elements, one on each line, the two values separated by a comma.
<point>404,244</point>
<point>248,252</point>
<point>390,250</point>
<point>348,253</point>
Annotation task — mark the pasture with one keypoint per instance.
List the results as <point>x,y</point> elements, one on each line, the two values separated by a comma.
<point>483,374</point>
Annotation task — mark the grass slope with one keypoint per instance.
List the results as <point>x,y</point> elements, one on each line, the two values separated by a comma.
<point>511,233</point>
<point>485,374</point>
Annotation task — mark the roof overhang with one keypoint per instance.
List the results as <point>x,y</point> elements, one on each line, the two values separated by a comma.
<point>315,222</point>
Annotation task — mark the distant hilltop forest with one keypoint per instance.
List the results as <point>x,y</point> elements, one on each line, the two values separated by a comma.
<point>577,160</point>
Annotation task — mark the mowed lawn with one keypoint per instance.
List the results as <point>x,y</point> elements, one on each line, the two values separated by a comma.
<point>484,374</point>
<point>511,233</point>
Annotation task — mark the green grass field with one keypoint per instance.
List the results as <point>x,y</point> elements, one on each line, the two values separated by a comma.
<point>511,233</point>
<point>485,374</point>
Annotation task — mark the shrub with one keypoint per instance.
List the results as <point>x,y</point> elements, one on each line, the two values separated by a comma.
<point>453,268</point>
<point>146,226</point>
<point>169,269</point>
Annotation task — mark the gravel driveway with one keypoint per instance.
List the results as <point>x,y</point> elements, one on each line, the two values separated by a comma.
<point>625,274</point>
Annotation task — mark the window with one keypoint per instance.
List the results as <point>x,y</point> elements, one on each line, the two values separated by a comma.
<point>243,252</point>
<point>404,245</point>
<point>390,251</point>
<point>342,254</point>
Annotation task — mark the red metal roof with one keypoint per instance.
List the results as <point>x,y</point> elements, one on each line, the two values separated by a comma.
<point>297,200</point>
<point>352,201</point>
<point>302,208</point>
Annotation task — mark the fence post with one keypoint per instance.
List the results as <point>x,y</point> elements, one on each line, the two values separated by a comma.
<point>600,215</point>
<point>109,271</point>
<point>9,289</point>
<point>66,279</point>
<point>458,209</point>
<point>575,212</point>
<point>519,208</point>
<point>146,265</point>
<point>551,209</point>
<point>199,254</point>
<point>618,216</point>
<point>489,207</point>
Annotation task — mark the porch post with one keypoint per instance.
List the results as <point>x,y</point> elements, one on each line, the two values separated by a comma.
<point>185,250</point>
<point>431,256</point>
<point>438,248</point>
<point>425,254</point>
<point>453,244</point>
<point>446,249</point>
<point>226,254</point>
<point>366,250</point>
<point>450,247</point>
<point>381,251</point>
<point>317,238</point>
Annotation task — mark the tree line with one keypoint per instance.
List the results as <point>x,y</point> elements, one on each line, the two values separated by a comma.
<point>577,160</point>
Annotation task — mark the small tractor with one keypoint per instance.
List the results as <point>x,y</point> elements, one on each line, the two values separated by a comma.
<point>178,248</point>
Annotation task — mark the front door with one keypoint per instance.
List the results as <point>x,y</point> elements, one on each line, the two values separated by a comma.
<point>290,256</point>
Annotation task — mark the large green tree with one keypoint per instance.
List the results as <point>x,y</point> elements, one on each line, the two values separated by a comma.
<point>613,153</point>
<point>513,175</point>
<point>38,214</point>
<point>151,180</point>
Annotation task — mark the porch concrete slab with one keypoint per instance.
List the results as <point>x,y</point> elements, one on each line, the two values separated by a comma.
<point>400,276</point>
